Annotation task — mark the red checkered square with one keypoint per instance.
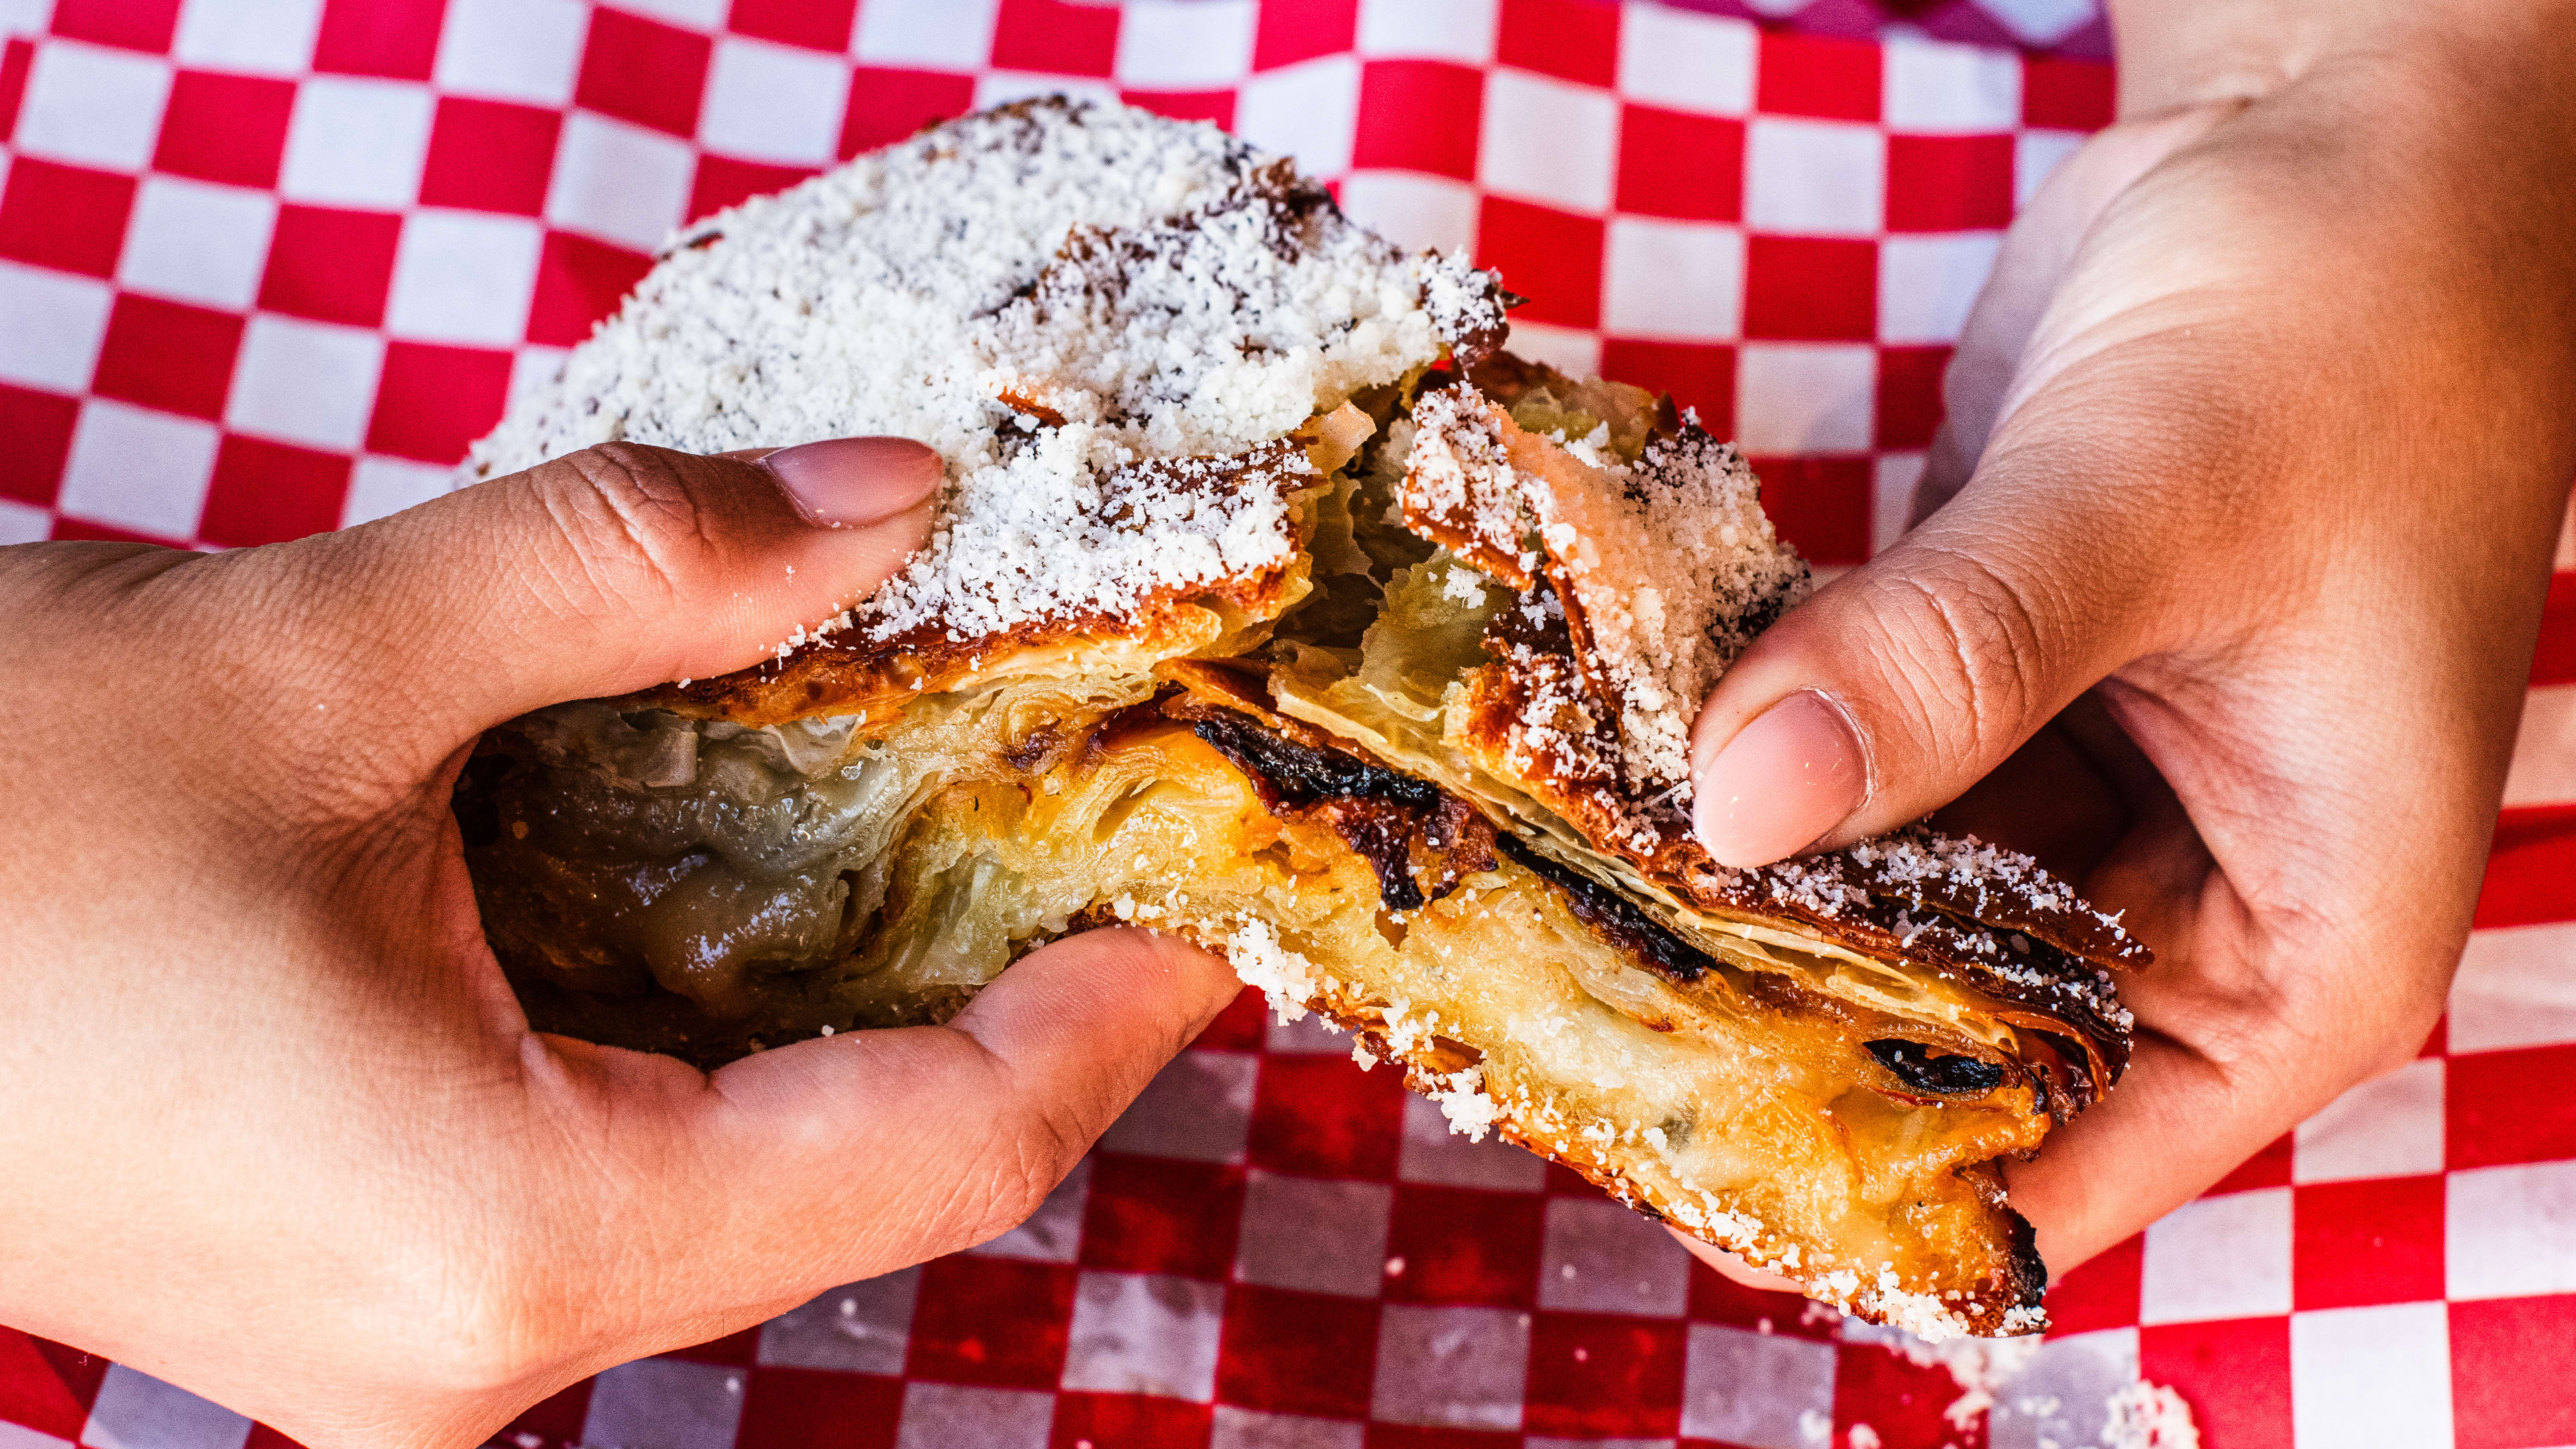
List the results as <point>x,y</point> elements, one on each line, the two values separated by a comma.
<point>2377,1241</point>
<point>1286,34</point>
<point>38,426</point>
<point>1909,395</point>
<point>794,1408</point>
<point>1459,1245</point>
<point>133,24</point>
<point>2101,1292</point>
<point>1698,375</point>
<point>997,1321</point>
<point>1817,75</point>
<point>266,492</point>
<point>433,402</point>
<point>1901,1399</point>
<point>331,265</point>
<point>1549,256</point>
<point>17,57</point>
<point>2267,1168</point>
<point>2528,867</point>
<point>888,105</point>
<point>1214,107</point>
<point>1394,97</point>
<point>1296,1353</point>
<point>64,216</point>
<point>2066,95</point>
<point>722,181</point>
<point>1604,1375</point>
<point>579,281</point>
<point>229,128</point>
<point>1819,504</point>
<point>1322,1117</point>
<point>739,1349</point>
<point>2513,1106</point>
<point>168,355</point>
<point>1679,165</point>
<point>392,38</point>
<point>2513,1382</point>
<point>1810,289</point>
<point>555,1423</point>
<point>1409,1436</point>
<point>1949,183</point>
<point>643,71</point>
<point>1056,37</point>
<point>1121,1420</point>
<point>1162,1215</point>
<point>1574,39</point>
<point>2235,1373</point>
<point>490,156</point>
<point>1241,1027</point>
<point>45,1386</point>
<point>815,24</point>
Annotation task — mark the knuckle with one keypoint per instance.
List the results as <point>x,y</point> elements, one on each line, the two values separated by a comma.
<point>1974,651</point>
<point>632,525</point>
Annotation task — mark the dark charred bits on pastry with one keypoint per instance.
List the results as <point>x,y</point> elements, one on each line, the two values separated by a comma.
<point>1611,914</point>
<point>1946,1076</point>
<point>1405,828</point>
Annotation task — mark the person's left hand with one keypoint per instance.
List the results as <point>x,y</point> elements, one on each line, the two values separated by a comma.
<point>278,1131</point>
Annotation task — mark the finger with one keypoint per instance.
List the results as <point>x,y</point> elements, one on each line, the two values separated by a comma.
<point>2036,253</point>
<point>1733,1268</point>
<point>838,1158</point>
<point>603,572</point>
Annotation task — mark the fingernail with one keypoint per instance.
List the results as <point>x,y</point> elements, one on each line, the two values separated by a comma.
<point>1781,783</point>
<point>848,482</point>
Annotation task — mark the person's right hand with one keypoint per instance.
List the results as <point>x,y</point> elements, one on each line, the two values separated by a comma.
<point>2236,545</point>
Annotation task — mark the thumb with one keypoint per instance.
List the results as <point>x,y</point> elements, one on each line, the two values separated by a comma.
<point>607,570</point>
<point>1905,681</point>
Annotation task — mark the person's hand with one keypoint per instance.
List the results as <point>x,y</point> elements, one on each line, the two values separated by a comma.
<point>2236,546</point>
<point>276,1129</point>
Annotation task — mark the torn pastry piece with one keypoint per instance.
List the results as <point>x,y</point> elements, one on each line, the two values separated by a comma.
<point>1271,605</point>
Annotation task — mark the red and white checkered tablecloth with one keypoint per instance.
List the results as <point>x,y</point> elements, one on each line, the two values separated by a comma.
<point>266,267</point>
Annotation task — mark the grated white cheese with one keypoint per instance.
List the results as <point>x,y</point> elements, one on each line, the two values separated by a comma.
<point>1140,288</point>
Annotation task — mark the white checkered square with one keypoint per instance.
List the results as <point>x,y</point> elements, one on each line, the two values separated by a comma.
<point>2041,22</point>
<point>941,34</point>
<point>1459,1368</point>
<point>1570,350</point>
<point>137,1411</point>
<point>1001,87</point>
<point>1198,1108</point>
<point>2514,989</point>
<point>2389,1126</point>
<point>1309,1035</point>
<point>380,487</point>
<point>619,183</point>
<point>668,1403</point>
<point>23,523</point>
<point>1680,280</point>
<point>1432,1153</point>
<point>1926,284</point>
<point>1318,1235</point>
<point>775,103</point>
<point>1233,1428</point>
<point>1144,1333</point>
<point>1805,397</point>
<point>1893,478</point>
<point>1459,30</point>
<point>2220,1257</point>
<point>2544,753</point>
<point>952,1416</point>
<point>861,1327</point>
<point>512,50</point>
<point>54,325</point>
<point>1548,141</point>
<point>2510,1232</point>
<point>138,469</point>
<point>1679,61</point>
<point>305,382</point>
<point>92,106</point>
<point>1760,1390</point>
<point>1598,1256</point>
<point>1814,178</point>
<point>696,14</point>
<point>1930,88</point>
<point>2036,156</point>
<point>1053,1233</point>
<point>270,37</point>
<point>1307,111</point>
<point>1185,45</point>
<point>2371,1378</point>
<point>464,276</point>
<point>1414,210</point>
<point>2062,1395</point>
<point>197,242</point>
<point>534,368</point>
<point>356,142</point>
